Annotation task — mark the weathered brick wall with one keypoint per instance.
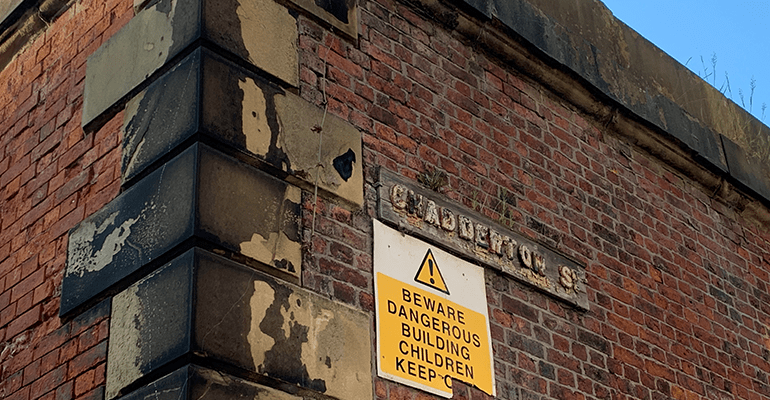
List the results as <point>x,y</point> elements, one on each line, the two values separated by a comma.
<point>677,277</point>
<point>52,175</point>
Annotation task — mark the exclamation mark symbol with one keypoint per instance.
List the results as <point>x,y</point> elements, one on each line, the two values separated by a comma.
<point>430,265</point>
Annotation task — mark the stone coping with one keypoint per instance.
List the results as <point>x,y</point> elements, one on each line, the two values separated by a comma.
<point>625,75</point>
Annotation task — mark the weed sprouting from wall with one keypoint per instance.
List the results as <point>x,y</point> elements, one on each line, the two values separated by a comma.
<point>755,140</point>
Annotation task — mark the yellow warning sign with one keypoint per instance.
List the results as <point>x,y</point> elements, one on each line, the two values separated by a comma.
<point>430,275</point>
<point>427,337</point>
<point>429,340</point>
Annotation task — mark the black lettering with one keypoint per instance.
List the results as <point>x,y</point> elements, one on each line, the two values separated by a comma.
<point>401,346</point>
<point>461,317</point>
<point>392,307</point>
<point>414,315</point>
<point>425,320</point>
<point>454,348</point>
<point>422,372</point>
<point>466,336</point>
<point>445,327</point>
<point>465,353</point>
<point>476,341</point>
<point>415,350</point>
<point>418,336</point>
<point>410,367</point>
<point>428,342</point>
<point>435,324</point>
<point>449,364</point>
<point>440,309</point>
<point>448,381</point>
<point>438,360</point>
<point>440,343</point>
<point>406,295</point>
<point>456,332</point>
<point>417,299</point>
<point>400,364</point>
<point>450,312</point>
<point>404,330</point>
<point>469,371</point>
<point>402,312</point>
<point>459,368</point>
<point>431,375</point>
<point>430,304</point>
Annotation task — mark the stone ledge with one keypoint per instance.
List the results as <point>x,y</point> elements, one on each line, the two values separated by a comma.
<point>204,304</point>
<point>182,200</point>
<point>613,74</point>
<point>192,382</point>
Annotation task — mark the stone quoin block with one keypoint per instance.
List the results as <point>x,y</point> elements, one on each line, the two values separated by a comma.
<point>192,382</point>
<point>261,32</point>
<point>207,95</point>
<point>204,304</point>
<point>185,198</point>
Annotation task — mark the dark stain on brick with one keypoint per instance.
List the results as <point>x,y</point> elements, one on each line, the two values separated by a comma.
<point>593,340</point>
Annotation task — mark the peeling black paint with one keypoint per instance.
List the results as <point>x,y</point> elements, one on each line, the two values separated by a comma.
<point>344,164</point>
<point>275,155</point>
<point>284,359</point>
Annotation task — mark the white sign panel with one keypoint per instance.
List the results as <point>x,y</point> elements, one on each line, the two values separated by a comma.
<point>432,318</point>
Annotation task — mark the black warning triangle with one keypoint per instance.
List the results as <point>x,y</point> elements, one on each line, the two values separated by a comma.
<point>430,275</point>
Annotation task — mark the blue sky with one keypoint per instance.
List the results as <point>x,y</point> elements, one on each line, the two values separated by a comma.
<point>737,31</point>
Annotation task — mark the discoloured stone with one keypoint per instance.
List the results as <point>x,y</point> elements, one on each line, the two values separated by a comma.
<point>262,32</point>
<point>586,38</point>
<point>169,105</point>
<point>150,317</point>
<point>341,14</point>
<point>247,319</point>
<point>192,382</point>
<point>750,172</point>
<point>186,197</point>
<point>262,218</point>
<point>6,9</point>
<point>145,44</point>
<point>140,225</point>
<point>242,110</point>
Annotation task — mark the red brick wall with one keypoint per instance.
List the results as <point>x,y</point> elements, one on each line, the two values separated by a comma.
<point>52,175</point>
<point>677,281</point>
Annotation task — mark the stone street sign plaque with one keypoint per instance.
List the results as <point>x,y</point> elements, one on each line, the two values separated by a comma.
<point>425,214</point>
<point>432,319</point>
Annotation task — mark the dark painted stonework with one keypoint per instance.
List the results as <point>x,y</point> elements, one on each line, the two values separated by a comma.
<point>192,382</point>
<point>183,199</point>
<point>139,226</point>
<point>216,309</point>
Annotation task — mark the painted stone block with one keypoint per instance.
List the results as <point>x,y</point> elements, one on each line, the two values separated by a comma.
<point>207,95</point>
<point>241,317</point>
<point>262,32</point>
<point>192,382</point>
<point>200,193</point>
